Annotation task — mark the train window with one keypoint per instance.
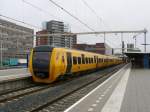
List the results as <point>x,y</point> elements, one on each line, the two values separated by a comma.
<point>102,60</point>
<point>83,59</point>
<point>40,63</point>
<point>79,60</point>
<point>86,60</point>
<point>92,60</point>
<point>95,59</point>
<point>106,60</point>
<point>74,60</point>
<point>89,60</point>
<point>69,59</point>
<point>99,60</point>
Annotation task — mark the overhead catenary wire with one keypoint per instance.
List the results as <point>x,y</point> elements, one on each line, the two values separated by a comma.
<point>10,18</point>
<point>40,9</point>
<point>93,11</point>
<point>76,18</point>
<point>46,12</point>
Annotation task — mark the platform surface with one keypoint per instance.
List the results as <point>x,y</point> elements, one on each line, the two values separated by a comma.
<point>126,91</point>
<point>137,96</point>
<point>14,73</point>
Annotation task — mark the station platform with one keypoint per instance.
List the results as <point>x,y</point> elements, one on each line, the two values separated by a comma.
<point>127,90</point>
<point>10,74</point>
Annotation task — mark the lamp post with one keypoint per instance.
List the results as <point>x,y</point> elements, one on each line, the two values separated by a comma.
<point>134,37</point>
<point>145,31</point>
<point>1,48</point>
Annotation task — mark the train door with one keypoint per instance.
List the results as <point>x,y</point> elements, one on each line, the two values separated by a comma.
<point>97,61</point>
<point>69,62</point>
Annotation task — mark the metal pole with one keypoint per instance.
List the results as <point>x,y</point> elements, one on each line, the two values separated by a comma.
<point>145,41</point>
<point>104,39</point>
<point>122,41</point>
<point>1,42</point>
<point>70,42</point>
<point>135,42</point>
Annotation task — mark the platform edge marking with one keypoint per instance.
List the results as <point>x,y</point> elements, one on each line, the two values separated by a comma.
<point>72,106</point>
<point>114,103</point>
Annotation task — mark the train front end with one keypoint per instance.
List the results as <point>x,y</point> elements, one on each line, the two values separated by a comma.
<point>40,62</point>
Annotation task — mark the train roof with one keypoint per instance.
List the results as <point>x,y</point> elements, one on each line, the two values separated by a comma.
<point>49,49</point>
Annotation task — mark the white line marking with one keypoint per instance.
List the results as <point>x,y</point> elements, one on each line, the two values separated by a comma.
<point>99,98</point>
<point>45,110</point>
<point>2,104</point>
<point>14,69</point>
<point>97,101</point>
<point>110,87</point>
<point>114,102</point>
<point>9,101</point>
<point>90,109</point>
<point>105,92</point>
<point>68,109</point>
<point>15,99</point>
<point>11,77</point>
<point>102,95</point>
<point>94,105</point>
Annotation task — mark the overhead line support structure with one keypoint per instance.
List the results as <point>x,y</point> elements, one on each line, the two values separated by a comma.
<point>106,32</point>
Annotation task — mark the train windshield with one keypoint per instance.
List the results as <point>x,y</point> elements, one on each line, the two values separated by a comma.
<point>41,65</point>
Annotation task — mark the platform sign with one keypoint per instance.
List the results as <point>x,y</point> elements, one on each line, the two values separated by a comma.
<point>146,61</point>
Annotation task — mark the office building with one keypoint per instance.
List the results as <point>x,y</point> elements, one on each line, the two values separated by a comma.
<point>14,42</point>
<point>57,41</point>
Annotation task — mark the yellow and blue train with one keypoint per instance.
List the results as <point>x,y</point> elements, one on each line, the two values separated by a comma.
<point>48,63</point>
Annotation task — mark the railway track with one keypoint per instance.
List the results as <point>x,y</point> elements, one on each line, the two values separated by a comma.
<point>61,103</point>
<point>15,95</point>
<point>51,97</point>
<point>19,93</point>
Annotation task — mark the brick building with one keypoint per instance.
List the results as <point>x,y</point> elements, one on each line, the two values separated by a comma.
<point>58,41</point>
<point>100,48</point>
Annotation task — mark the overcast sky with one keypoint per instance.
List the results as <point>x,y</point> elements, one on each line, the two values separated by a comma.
<point>115,14</point>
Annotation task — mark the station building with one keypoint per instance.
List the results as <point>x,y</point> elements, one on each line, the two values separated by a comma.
<point>139,59</point>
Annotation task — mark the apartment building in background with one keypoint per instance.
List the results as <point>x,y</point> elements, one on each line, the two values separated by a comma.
<point>14,42</point>
<point>52,27</point>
